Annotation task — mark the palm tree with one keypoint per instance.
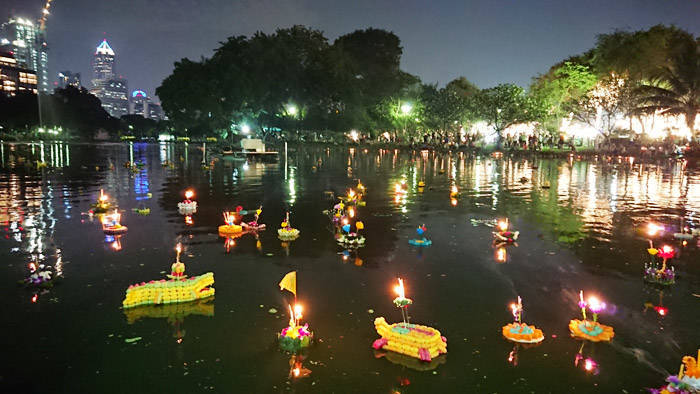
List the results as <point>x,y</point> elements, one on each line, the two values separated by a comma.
<point>675,90</point>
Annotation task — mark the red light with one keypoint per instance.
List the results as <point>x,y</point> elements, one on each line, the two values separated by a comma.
<point>662,311</point>
<point>35,297</point>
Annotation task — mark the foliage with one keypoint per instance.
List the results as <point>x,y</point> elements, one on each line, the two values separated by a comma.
<point>75,110</point>
<point>675,88</point>
<point>505,105</point>
<point>257,81</point>
<point>563,85</point>
<point>601,106</point>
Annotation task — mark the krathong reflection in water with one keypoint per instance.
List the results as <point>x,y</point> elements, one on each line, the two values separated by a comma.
<point>585,362</point>
<point>174,314</point>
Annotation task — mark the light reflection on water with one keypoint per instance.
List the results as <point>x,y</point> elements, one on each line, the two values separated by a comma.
<point>590,207</point>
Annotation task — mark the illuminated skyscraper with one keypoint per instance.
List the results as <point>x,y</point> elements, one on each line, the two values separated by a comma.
<point>103,63</point>
<point>110,89</point>
<point>27,42</point>
<point>142,105</point>
<point>14,79</point>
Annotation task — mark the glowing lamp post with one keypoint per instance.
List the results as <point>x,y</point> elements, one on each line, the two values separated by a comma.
<point>405,109</point>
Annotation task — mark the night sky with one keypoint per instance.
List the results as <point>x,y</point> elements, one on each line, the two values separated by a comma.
<point>488,41</point>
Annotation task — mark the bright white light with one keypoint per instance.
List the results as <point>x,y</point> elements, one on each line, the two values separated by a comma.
<point>292,110</point>
<point>245,129</point>
<point>406,108</point>
<point>353,135</point>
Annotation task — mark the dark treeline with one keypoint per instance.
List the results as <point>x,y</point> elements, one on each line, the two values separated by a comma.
<point>76,112</point>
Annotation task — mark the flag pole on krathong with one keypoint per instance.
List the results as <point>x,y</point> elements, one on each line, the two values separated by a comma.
<point>295,336</point>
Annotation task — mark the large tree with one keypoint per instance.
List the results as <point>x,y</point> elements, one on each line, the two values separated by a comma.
<point>505,105</point>
<point>675,88</point>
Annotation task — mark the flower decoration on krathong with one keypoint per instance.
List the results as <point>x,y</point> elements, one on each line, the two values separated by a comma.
<point>359,225</point>
<point>421,229</point>
<point>346,228</point>
<point>296,331</point>
<point>667,252</point>
<point>653,251</point>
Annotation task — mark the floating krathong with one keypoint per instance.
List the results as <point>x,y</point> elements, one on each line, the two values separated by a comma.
<point>286,232</point>
<point>295,336</point>
<point>187,206</point>
<point>40,276</point>
<point>102,205</point>
<point>178,288</point>
<point>231,228</point>
<point>503,234</point>
<point>111,225</point>
<point>519,331</point>
<point>254,225</point>
<point>352,239</point>
<point>658,272</point>
<point>422,240</point>
<point>688,379</point>
<point>590,330</point>
<point>414,340</point>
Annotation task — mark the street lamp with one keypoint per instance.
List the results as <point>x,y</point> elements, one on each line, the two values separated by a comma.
<point>405,110</point>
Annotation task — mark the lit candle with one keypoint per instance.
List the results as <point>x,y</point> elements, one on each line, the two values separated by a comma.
<point>297,313</point>
<point>595,306</point>
<point>188,194</point>
<point>178,248</point>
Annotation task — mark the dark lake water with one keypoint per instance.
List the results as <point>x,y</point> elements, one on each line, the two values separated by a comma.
<point>582,233</point>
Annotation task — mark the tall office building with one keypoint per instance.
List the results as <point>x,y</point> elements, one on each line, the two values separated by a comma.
<point>142,105</point>
<point>67,78</point>
<point>103,62</point>
<point>15,79</point>
<point>139,103</point>
<point>115,97</point>
<point>26,40</point>
<point>110,89</point>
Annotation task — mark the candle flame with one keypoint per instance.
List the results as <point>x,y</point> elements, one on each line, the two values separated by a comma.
<point>297,311</point>
<point>503,225</point>
<point>189,193</point>
<point>454,189</point>
<point>399,289</point>
<point>351,212</point>
<point>595,305</point>
<point>103,196</point>
<point>297,372</point>
<point>178,248</point>
<point>667,249</point>
<point>453,202</point>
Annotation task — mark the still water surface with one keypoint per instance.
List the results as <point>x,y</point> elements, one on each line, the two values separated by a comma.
<point>581,233</point>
